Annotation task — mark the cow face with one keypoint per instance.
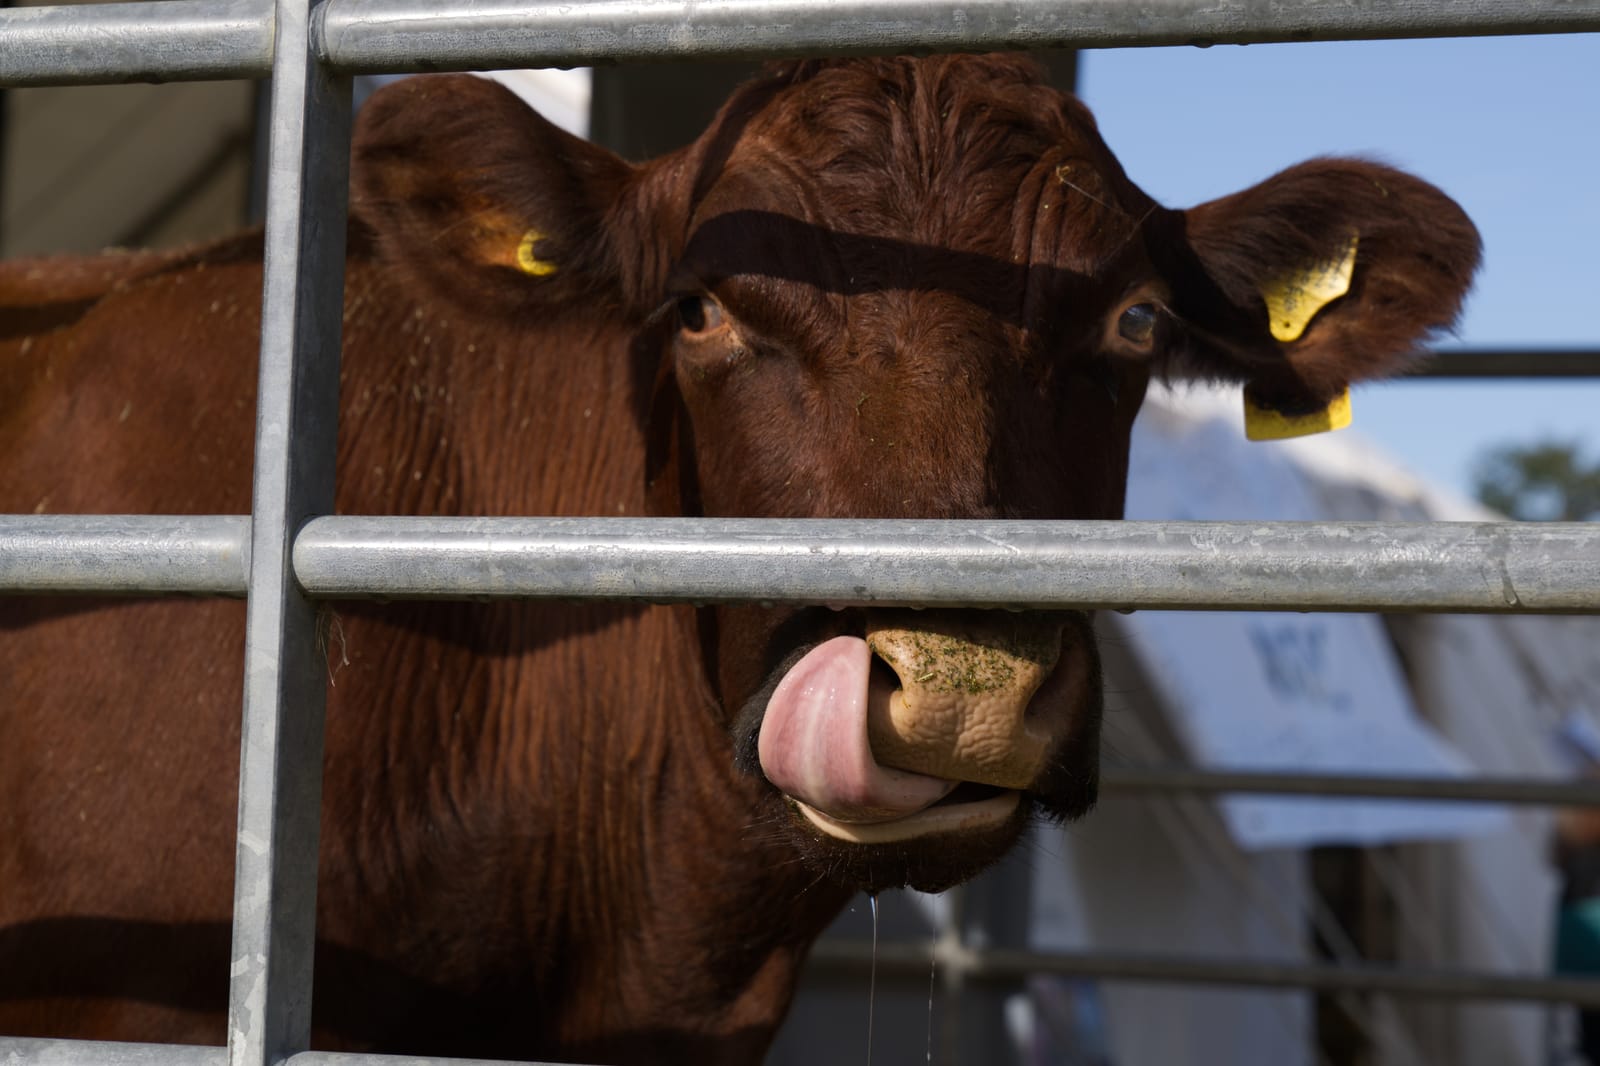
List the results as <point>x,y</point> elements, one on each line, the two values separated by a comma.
<point>913,289</point>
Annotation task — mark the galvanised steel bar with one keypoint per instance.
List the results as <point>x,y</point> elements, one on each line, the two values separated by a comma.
<point>1509,363</point>
<point>124,554</point>
<point>344,1058</point>
<point>200,39</point>
<point>163,41</point>
<point>15,1051</point>
<point>1004,964</point>
<point>1320,566</point>
<point>1529,791</point>
<point>280,773</point>
<point>20,1050</point>
<point>415,35</point>
<point>1552,567</point>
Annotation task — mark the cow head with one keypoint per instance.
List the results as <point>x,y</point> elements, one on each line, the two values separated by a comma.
<point>914,289</point>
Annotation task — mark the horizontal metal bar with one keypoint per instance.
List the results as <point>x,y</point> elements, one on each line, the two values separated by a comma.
<point>199,39</point>
<point>1289,783</point>
<point>1508,363</point>
<point>998,964</point>
<point>341,1058</point>
<point>91,44</point>
<point>415,35</point>
<point>126,554</point>
<point>1322,566</point>
<point>1326,566</point>
<point>29,1051</point>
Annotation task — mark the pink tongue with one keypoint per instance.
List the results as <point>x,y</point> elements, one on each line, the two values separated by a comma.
<point>813,741</point>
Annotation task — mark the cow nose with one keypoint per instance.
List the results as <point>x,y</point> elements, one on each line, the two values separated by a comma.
<point>957,703</point>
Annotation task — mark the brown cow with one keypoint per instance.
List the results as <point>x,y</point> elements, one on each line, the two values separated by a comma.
<point>877,288</point>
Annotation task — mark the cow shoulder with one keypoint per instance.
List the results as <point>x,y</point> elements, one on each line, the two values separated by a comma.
<point>102,356</point>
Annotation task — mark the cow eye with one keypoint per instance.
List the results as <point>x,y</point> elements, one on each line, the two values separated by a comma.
<point>699,314</point>
<point>1138,324</point>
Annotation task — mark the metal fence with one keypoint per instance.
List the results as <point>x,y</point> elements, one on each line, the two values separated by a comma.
<point>291,550</point>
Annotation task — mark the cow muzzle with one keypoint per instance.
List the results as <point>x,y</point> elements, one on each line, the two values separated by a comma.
<point>929,723</point>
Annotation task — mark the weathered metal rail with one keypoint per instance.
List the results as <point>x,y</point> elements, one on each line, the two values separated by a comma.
<point>205,39</point>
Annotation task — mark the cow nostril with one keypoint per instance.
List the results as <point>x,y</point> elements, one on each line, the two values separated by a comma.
<point>882,675</point>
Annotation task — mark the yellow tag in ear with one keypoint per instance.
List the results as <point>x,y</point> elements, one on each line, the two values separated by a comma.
<point>1294,299</point>
<point>529,263</point>
<point>1264,423</point>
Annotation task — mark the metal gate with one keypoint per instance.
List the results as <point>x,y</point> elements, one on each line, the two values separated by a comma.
<point>291,551</point>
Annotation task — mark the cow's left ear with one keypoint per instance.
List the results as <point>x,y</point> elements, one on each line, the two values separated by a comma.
<point>477,195</point>
<point>1331,272</point>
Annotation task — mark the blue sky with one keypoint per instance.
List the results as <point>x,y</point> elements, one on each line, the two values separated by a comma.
<point>1509,126</point>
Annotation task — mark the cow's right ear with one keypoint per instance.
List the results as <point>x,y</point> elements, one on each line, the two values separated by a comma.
<point>473,193</point>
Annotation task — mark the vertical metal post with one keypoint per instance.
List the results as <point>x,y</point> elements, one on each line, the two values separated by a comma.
<point>255,201</point>
<point>953,978</point>
<point>995,911</point>
<point>280,771</point>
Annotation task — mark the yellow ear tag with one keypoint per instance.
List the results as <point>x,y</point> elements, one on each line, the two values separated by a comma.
<point>529,263</point>
<point>1264,423</point>
<point>1294,299</point>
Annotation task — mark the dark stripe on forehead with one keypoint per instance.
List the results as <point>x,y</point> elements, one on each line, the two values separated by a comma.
<point>772,245</point>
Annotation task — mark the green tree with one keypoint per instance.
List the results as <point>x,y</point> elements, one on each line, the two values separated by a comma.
<point>1551,481</point>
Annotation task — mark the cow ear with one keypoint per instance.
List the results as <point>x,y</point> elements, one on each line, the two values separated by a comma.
<point>1331,272</point>
<point>472,192</point>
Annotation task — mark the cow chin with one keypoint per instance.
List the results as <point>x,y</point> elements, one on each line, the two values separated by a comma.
<point>948,843</point>
<point>941,857</point>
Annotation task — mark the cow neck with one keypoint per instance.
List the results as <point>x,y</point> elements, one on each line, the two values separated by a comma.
<point>687,906</point>
<point>449,413</point>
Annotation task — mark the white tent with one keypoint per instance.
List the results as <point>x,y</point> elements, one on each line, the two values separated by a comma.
<point>1172,874</point>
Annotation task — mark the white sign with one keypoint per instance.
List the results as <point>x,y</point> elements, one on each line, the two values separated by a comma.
<point>1259,691</point>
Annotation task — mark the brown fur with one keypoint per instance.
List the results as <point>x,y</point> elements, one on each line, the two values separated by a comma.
<point>537,838</point>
